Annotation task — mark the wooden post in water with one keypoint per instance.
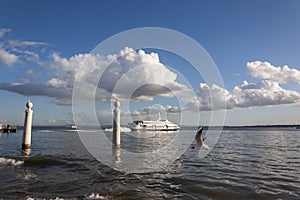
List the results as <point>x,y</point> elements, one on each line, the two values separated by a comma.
<point>26,144</point>
<point>116,125</point>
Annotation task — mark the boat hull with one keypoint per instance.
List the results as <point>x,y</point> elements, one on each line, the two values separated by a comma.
<point>162,125</point>
<point>154,129</point>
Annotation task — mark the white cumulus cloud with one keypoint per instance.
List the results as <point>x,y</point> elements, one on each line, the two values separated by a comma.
<point>8,58</point>
<point>138,75</point>
<point>127,74</point>
<point>12,51</point>
<point>266,70</point>
<point>267,92</point>
<point>264,93</point>
<point>154,110</point>
<point>20,43</point>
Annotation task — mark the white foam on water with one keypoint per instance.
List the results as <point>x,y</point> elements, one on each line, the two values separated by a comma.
<point>78,130</point>
<point>122,129</point>
<point>57,198</point>
<point>10,162</point>
<point>46,131</point>
<point>93,196</point>
<point>173,186</point>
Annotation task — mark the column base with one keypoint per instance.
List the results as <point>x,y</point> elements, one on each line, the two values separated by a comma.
<point>26,146</point>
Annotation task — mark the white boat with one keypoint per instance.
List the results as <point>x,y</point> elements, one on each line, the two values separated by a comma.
<point>149,125</point>
<point>71,126</point>
<point>74,127</point>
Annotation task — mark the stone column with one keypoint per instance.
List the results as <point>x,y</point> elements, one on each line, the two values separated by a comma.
<point>26,144</point>
<point>116,125</point>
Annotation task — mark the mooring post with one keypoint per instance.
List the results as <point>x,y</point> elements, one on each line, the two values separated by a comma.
<point>26,144</point>
<point>116,125</point>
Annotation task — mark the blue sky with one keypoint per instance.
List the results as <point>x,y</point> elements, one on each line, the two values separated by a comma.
<point>38,38</point>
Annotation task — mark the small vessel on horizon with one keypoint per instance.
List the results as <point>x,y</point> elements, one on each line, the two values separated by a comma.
<point>7,129</point>
<point>150,125</point>
<point>74,127</point>
<point>71,126</point>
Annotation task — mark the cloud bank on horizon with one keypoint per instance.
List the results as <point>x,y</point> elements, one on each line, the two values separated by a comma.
<point>124,71</point>
<point>267,71</point>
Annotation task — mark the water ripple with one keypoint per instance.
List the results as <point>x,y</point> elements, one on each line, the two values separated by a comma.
<point>245,164</point>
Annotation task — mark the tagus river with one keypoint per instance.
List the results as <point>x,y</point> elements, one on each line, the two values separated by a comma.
<point>246,163</point>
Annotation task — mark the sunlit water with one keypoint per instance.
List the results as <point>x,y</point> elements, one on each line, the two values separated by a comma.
<point>245,164</point>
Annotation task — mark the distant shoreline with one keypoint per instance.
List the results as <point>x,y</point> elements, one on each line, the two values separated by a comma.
<point>182,127</point>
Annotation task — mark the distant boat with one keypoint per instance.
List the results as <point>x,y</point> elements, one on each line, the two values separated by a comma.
<point>7,129</point>
<point>74,127</point>
<point>71,126</point>
<point>157,125</point>
<point>297,127</point>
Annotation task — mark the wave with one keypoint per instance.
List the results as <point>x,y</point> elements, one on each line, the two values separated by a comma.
<point>10,162</point>
<point>122,129</point>
<point>92,196</point>
<point>46,131</point>
<point>79,130</point>
<point>42,162</point>
<point>29,162</point>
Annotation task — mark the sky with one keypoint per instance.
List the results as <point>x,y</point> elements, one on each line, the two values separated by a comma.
<point>254,44</point>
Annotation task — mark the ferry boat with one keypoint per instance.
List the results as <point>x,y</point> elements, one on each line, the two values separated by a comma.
<point>158,125</point>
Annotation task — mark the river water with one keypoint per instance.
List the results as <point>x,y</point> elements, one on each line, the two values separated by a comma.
<point>246,163</point>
